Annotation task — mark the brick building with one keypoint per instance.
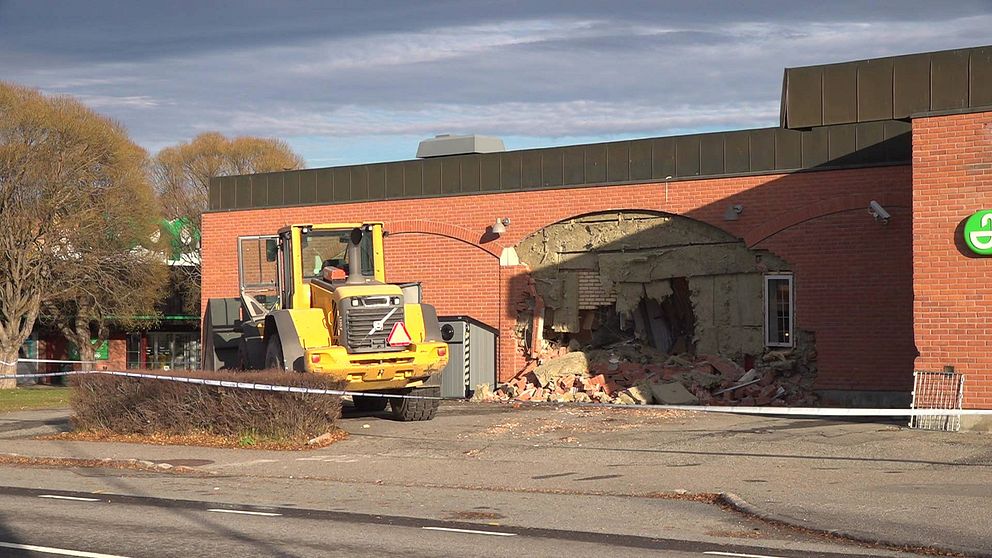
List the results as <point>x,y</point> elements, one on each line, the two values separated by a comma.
<point>768,232</point>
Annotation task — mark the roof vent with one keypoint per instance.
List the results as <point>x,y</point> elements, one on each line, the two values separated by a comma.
<point>447,144</point>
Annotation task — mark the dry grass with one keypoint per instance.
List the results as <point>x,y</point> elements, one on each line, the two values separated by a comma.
<point>147,410</point>
<point>202,439</point>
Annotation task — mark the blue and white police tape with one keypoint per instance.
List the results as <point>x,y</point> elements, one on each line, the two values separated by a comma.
<point>46,361</point>
<point>218,383</point>
<point>771,411</point>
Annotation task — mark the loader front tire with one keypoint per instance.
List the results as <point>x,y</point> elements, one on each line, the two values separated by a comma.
<point>408,410</point>
<point>273,354</point>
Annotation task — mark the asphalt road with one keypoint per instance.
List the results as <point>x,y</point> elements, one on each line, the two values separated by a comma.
<point>41,522</point>
<point>537,482</point>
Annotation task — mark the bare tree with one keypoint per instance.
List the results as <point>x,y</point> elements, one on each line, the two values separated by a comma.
<point>182,176</point>
<point>75,206</point>
<point>121,282</point>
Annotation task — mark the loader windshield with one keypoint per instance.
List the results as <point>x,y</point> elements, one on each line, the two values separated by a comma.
<point>330,249</point>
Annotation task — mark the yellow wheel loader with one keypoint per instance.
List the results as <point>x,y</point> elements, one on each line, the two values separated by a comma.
<point>336,315</point>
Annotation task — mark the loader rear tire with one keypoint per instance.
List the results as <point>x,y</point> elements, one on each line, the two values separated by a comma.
<point>408,410</point>
<point>367,404</point>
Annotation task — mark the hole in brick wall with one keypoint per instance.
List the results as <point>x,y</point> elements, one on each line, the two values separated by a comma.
<point>666,324</point>
<point>619,299</point>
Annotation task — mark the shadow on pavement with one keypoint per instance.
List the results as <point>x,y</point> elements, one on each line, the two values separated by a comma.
<point>349,411</point>
<point>196,517</point>
<point>60,424</point>
<point>6,536</point>
<point>779,456</point>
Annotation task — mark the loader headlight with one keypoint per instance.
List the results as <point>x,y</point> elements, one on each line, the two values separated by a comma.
<point>396,301</point>
<point>354,302</point>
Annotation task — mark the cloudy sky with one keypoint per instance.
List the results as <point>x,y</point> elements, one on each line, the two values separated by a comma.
<point>346,82</point>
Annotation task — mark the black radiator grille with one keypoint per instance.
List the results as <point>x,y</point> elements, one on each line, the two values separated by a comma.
<point>359,321</point>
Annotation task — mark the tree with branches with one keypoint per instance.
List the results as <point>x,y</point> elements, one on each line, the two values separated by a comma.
<point>77,212</point>
<point>182,176</point>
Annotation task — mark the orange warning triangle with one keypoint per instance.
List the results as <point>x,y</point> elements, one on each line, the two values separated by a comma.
<point>399,336</point>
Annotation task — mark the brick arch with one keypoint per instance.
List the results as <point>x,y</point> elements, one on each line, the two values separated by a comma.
<point>422,226</point>
<point>821,209</point>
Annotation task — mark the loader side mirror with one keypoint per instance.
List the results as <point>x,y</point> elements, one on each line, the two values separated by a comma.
<point>271,250</point>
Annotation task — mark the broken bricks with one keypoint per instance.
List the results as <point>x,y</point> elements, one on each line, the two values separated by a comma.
<point>632,374</point>
<point>673,394</point>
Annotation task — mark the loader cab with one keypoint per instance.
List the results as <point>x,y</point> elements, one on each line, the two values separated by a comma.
<point>304,253</point>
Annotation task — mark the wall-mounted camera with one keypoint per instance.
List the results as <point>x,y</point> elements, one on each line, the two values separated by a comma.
<point>878,212</point>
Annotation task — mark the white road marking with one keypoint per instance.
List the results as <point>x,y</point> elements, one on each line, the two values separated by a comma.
<point>73,498</point>
<point>470,531</point>
<point>715,553</point>
<point>330,459</point>
<point>244,512</point>
<point>59,551</point>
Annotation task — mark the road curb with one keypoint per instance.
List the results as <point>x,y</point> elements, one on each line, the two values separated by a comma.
<point>739,505</point>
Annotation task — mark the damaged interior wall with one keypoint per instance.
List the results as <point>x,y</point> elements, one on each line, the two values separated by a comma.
<point>675,283</point>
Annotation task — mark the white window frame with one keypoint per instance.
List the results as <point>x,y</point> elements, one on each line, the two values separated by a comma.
<point>792,309</point>
<point>241,270</point>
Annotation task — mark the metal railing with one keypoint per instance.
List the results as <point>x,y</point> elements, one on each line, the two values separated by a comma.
<point>937,390</point>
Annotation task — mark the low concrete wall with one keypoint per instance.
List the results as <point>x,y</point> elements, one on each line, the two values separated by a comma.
<point>865,398</point>
<point>976,423</point>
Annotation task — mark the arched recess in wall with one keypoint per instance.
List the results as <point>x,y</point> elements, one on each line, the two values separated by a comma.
<point>455,232</point>
<point>819,209</point>
<point>854,287</point>
<point>680,284</point>
<point>490,250</point>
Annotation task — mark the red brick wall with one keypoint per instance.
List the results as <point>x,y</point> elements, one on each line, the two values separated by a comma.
<point>55,347</point>
<point>859,302</point>
<point>952,178</point>
<point>795,215</point>
<point>52,348</point>
<point>116,353</point>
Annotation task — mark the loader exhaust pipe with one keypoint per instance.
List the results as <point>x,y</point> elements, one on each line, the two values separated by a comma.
<point>355,257</point>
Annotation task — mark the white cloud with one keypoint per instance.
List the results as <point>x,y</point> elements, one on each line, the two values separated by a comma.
<point>428,46</point>
<point>594,75</point>
<point>573,118</point>
<point>110,102</point>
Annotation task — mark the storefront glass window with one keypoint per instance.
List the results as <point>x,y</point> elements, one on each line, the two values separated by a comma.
<point>163,351</point>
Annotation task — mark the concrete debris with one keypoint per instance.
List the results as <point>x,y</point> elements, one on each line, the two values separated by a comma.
<point>631,373</point>
<point>625,399</point>
<point>321,440</point>
<point>482,393</point>
<point>568,363</point>
<point>673,394</point>
<point>642,393</point>
<point>738,385</point>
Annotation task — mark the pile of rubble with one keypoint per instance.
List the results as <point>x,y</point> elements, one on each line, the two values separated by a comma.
<point>636,374</point>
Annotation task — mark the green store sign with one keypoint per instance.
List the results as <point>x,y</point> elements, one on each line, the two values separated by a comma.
<point>100,353</point>
<point>978,232</point>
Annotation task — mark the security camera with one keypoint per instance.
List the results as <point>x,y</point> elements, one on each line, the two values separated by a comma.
<point>878,212</point>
